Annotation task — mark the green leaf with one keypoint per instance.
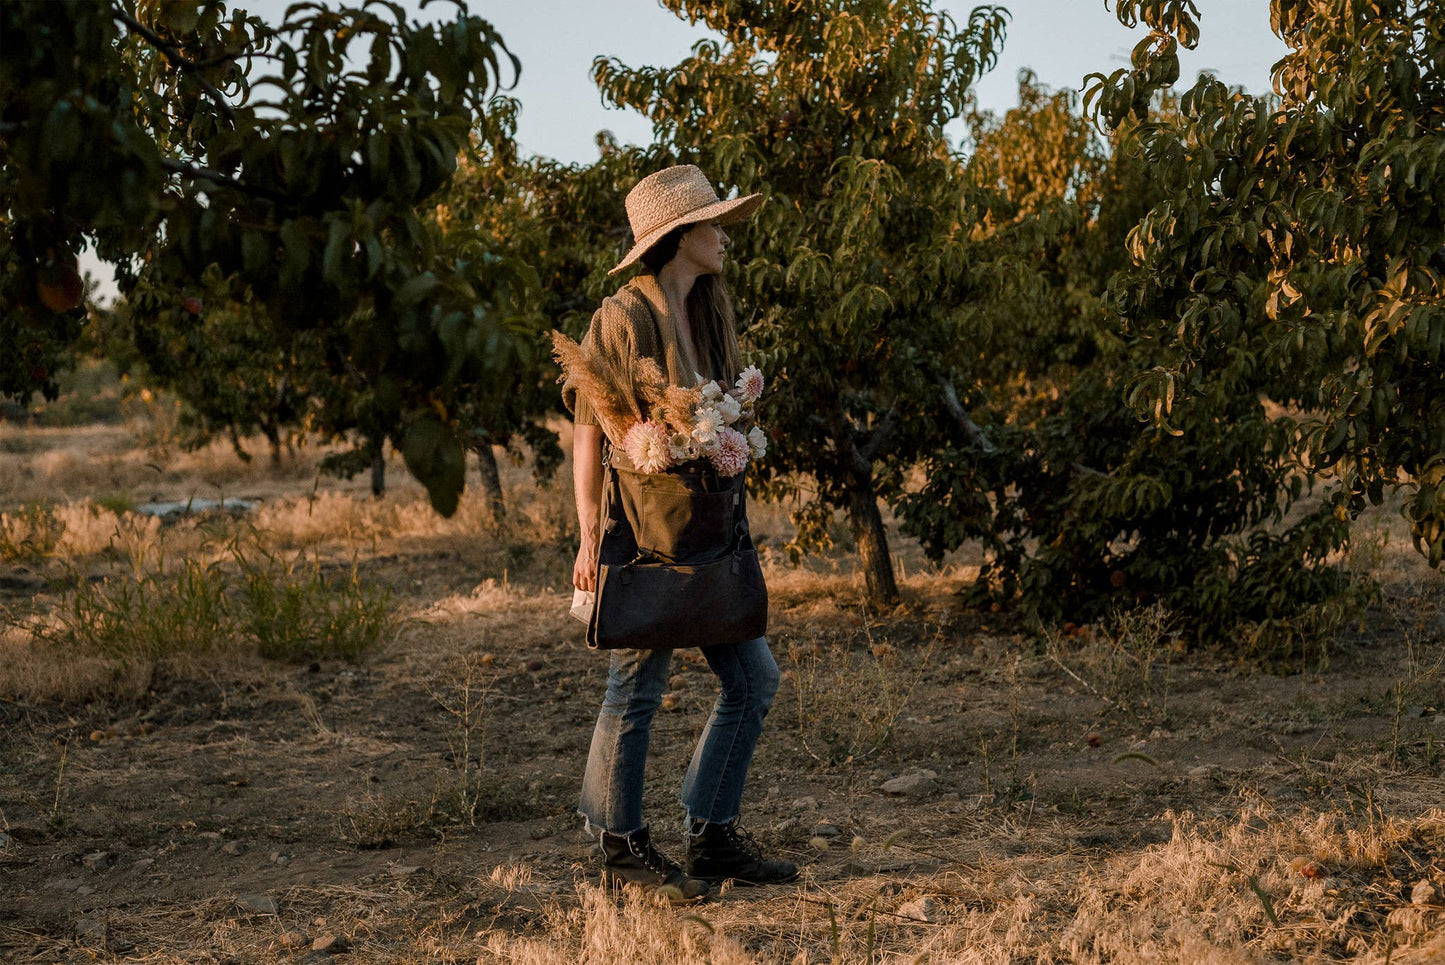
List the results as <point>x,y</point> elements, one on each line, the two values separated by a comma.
<point>437,459</point>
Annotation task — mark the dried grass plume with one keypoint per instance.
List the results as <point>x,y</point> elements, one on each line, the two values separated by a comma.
<point>620,391</point>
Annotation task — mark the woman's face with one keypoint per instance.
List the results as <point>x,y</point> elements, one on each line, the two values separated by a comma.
<point>702,247</point>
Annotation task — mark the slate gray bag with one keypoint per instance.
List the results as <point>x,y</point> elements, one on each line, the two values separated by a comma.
<point>677,567</point>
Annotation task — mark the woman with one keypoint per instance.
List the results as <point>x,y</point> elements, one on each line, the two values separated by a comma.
<point>676,313</point>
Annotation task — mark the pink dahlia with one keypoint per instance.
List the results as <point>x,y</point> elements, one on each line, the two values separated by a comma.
<point>750,384</point>
<point>646,444</point>
<point>732,452</point>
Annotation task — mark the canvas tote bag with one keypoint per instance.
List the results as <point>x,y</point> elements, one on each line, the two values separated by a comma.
<point>677,567</point>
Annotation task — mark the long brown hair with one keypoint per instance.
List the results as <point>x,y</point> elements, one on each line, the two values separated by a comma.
<point>709,310</point>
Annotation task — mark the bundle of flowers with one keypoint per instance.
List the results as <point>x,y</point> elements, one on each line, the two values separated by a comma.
<point>659,425</point>
<point>707,421</point>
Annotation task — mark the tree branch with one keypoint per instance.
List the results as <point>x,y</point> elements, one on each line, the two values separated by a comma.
<point>179,59</point>
<point>216,177</point>
<point>1081,471</point>
<point>880,438</point>
<point>971,430</point>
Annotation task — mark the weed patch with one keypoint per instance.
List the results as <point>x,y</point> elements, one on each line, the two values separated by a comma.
<point>30,533</point>
<point>291,611</point>
<point>246,596</point>
<point>850,695</point>
<point>1125,660</point>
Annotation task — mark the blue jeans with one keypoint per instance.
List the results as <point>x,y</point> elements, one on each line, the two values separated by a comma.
<point>713,787</point>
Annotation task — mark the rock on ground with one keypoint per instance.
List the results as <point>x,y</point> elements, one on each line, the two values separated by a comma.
<point>917,782</point>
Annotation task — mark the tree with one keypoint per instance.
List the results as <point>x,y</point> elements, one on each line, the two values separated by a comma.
<point>853,273</point>
<point>1082,508</point>
<point>292,161</point>
<point>221,358</point>
<point>1298,254</point>
<point>561,221</point>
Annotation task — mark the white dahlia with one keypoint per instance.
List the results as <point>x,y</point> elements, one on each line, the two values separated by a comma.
<point>706,423</point>
<point>757,443</point>
<point>682,448</point>
<point>646,444</point>
<point>729,409</point>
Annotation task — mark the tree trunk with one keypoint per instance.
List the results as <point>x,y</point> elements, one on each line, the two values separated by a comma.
<point>491,482</point>
<point>273,436</point>
<point>868,532</point>
<point>236,446</point>
<point>378,469</point>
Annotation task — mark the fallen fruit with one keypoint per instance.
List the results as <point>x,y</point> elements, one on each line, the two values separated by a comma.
<point>1094,740</point>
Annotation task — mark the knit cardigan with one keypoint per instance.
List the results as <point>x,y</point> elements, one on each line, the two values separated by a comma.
<point>632,324</point>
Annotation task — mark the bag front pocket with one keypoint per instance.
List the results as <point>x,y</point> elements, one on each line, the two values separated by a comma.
<point>676,523</point>
<point>685,527</point>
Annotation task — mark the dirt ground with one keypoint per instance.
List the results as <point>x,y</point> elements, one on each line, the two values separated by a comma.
<point>1102,796</point>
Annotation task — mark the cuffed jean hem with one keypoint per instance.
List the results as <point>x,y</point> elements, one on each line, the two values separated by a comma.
<point>688,821</point>
<point>595,831</point>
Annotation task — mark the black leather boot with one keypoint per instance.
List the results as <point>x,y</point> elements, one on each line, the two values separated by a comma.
<point>633,859</point>
<point>716,852</point>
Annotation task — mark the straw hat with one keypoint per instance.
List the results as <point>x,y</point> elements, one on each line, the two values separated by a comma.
<point>675,196</point>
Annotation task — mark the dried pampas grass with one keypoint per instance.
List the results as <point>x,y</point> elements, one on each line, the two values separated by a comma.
<point>619,390</point>
<point>677,406</point>
<point>600,383</point>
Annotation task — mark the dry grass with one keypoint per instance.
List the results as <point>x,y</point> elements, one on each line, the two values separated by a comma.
<point>419,802</point>
<point>1220,890</point>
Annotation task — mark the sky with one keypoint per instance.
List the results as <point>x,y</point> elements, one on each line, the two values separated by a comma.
<point>1060,40</point>
<point>556,41</point>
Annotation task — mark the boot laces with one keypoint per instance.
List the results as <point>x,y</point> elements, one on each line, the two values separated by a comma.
<point>743,840</point>
<point>647,853</point>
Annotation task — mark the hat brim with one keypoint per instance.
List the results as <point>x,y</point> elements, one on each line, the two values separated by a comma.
<point>723,212</point>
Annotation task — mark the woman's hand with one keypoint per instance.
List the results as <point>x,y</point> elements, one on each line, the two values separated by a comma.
<point>584,571</point>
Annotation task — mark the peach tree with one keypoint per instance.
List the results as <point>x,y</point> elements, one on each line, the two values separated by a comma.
<point>558,220</point>
<point>1294,265</point>
<point>1081,508</point>
<point>292,161</point>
